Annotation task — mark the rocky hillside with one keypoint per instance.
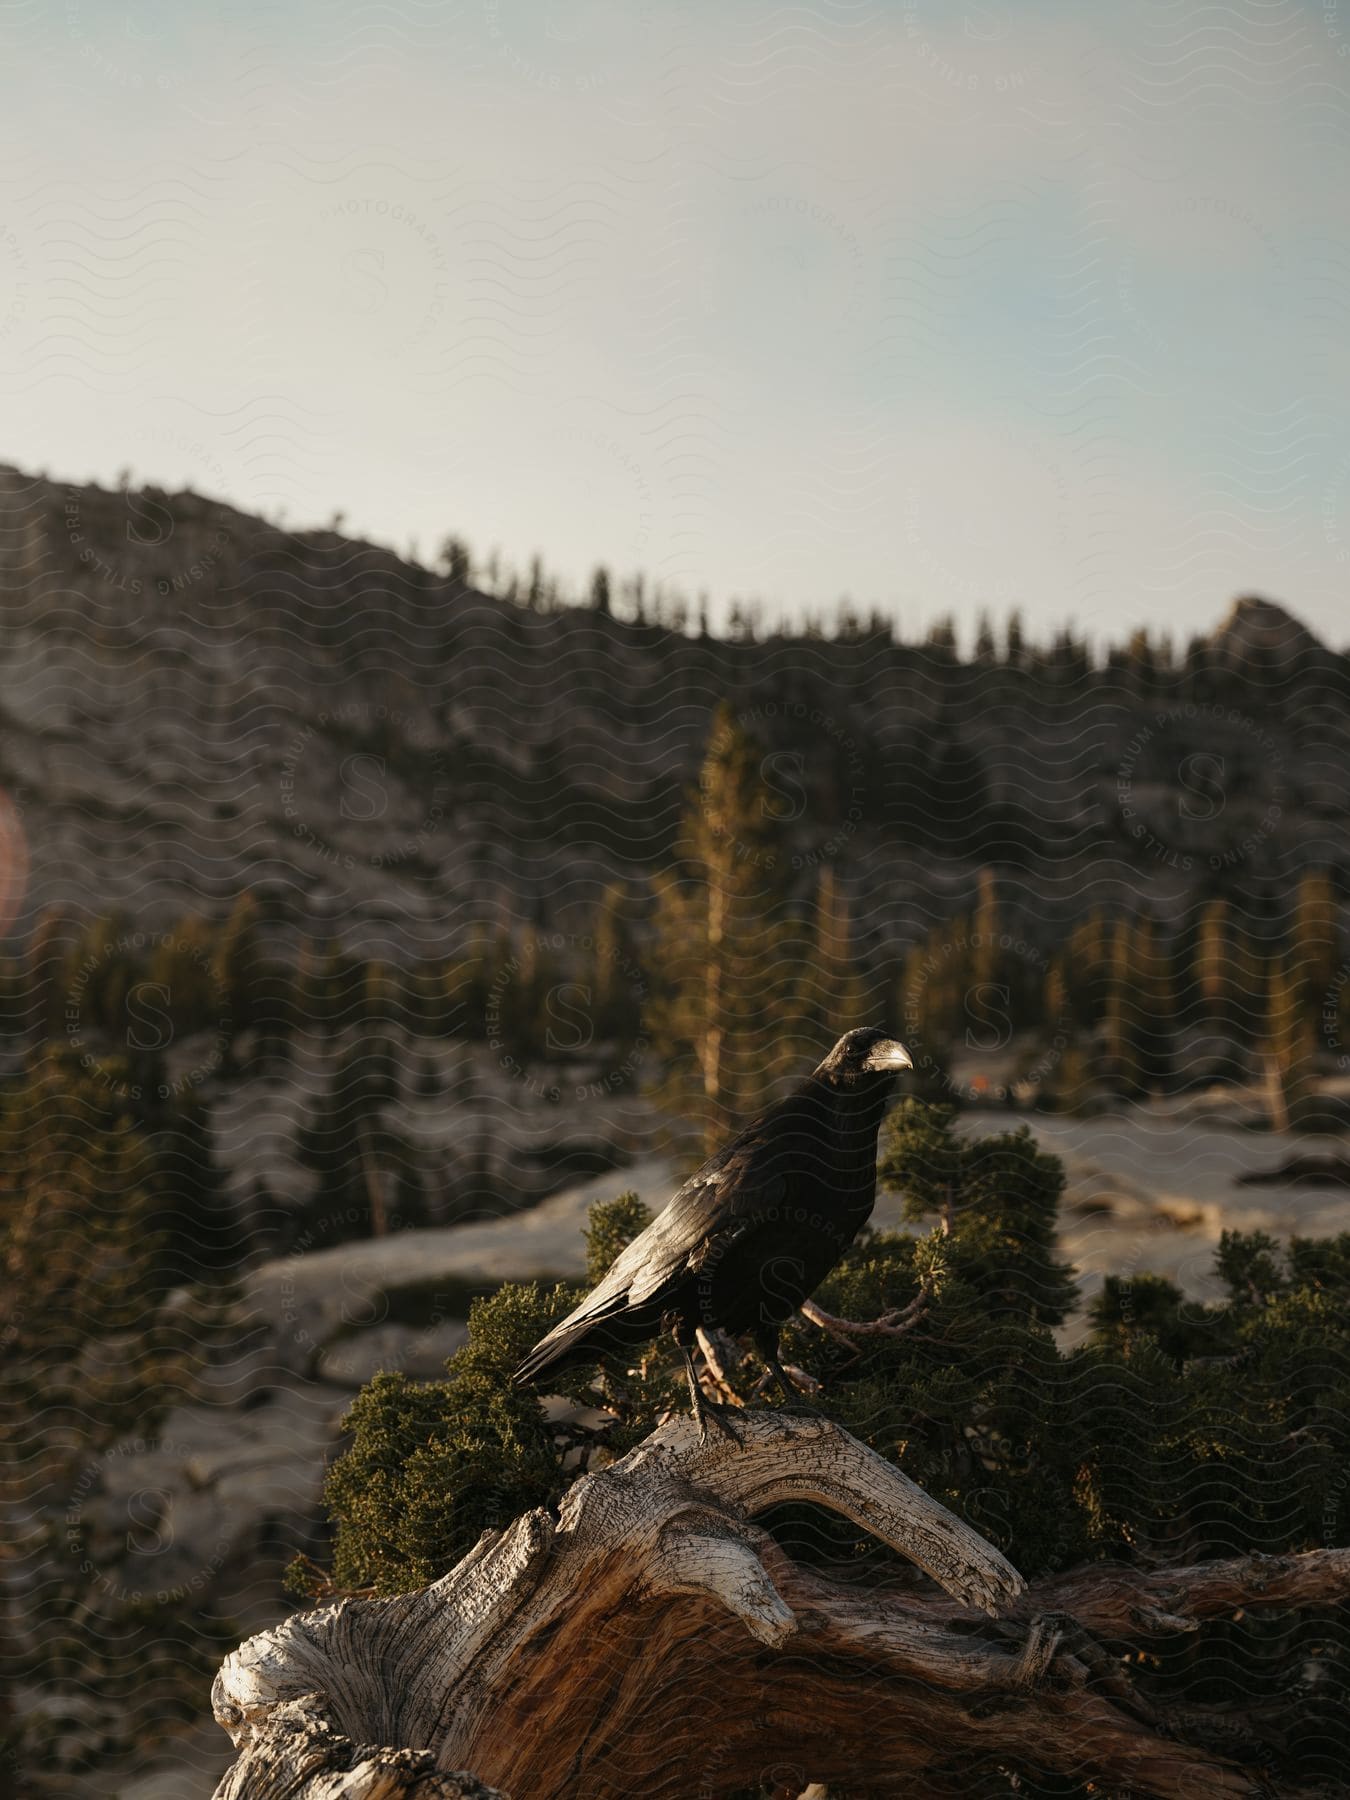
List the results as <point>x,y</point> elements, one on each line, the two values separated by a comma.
<point>195,701</point>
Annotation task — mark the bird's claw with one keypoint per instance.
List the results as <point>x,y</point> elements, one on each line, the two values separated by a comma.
<point>720,1416</point>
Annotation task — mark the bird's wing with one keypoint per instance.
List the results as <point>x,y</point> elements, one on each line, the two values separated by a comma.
<point>717,1203</point>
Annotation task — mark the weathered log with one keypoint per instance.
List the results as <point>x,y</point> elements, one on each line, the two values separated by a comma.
<point>296,1751</point>
<point>653,1641</point>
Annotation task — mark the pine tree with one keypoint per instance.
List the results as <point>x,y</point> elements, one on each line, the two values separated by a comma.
<point>1197,682</point>
<point>1089,969</point>
<point>987,958</point>
<point>379,996</point>
<point>1153,978</point>
<point>837,993</point>
<point>1213,965</point>
<point>458,563</point>
<point>723,957</point>
<point>1290,1043</point>
<point>1015,650</point>
<point>1315,939</point>
<point>102,969</point>
<point>1055,1003</point>
<point>366,1174</point>
<point>618,982</point>
<point>534,592</point>
<point>1228,979</point>
<point>238,962</point>
<point>600,596</point>
<point>312,999</point>
<point>1141,662</point>
<point>1124,1065</point>
<point>941,639</point>
<point>1065,1064</point>
<point>92,1354</point>
<point>76,1181</point>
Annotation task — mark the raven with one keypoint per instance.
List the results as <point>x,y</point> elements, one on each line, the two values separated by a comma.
<point>753,1233</point>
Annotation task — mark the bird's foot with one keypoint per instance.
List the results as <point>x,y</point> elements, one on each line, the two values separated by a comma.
<point>793,1384</point>
<point>720,1415</point>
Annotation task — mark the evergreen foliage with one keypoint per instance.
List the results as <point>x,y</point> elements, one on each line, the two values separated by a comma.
<point>92,1235</point>
<point>739,932</point>
<point>1173,1431</point>
<point>434,1464</point>
<point>724,954</point>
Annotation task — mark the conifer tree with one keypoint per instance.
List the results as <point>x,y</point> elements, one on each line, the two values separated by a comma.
<point>1015,647</point>
<point>1120,1033</point>
<point>1056,1003</point>
<point>458,563</point>
<point>534,591</point>
<point>187,965</point>
<point>311,997</point>
<point>1151,973</point>
<point>466,985</point>
<point>76,1200</point>
<point>99,974</point>
<point>723,953</point>
<point>1213,965</point>
<point>1315,939</point>
<point>987,956</point>
<point>838,994</point>
<point>1089,964</point>
<point>1140,662</point>
<point>238,962</point>
<point>369,1180</point>
<point>1197,679</point>
<point>941,639</point>
<point>1227,976</point>
<point>91,1354</point>
<point>1290,1043</point>
<point>379,996</point>
<point>618,982</point>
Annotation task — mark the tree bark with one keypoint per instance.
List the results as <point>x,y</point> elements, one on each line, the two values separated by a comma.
<point>653,1641</point>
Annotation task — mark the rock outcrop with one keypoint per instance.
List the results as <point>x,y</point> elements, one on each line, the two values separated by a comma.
<point>196,701</point>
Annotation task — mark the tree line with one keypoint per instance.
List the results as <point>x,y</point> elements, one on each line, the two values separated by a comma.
<point>713,982</point>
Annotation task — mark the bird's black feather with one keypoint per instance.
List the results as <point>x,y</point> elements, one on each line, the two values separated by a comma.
<point>755,1230</point>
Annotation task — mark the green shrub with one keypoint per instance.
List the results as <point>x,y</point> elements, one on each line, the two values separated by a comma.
<point>1174,1433</point>
<point>1185,1430</point>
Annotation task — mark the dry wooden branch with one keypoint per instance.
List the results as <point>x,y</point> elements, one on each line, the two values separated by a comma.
<point>720,1357</point>
<point>297,1751</point>
<point>652,1640</point>
<point>894,1323</point>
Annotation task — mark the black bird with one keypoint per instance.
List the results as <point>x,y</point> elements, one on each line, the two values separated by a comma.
<point>753,1233</point>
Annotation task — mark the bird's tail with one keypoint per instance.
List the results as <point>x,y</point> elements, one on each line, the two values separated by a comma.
<point>563,1348</point>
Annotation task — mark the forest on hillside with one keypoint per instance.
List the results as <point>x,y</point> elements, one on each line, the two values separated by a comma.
<point>296,830</point>
<point>726,948</point>
<point>198,703</point>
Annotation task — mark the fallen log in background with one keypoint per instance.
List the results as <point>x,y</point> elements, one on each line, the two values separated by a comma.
<point>654,1641</point>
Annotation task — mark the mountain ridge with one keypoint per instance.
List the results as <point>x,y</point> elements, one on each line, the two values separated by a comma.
<point>194,701</point>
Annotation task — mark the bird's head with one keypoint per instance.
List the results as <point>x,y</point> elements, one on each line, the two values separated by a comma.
<point>865,1058</point>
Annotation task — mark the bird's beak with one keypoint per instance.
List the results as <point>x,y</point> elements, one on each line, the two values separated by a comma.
<point>886,1057</point>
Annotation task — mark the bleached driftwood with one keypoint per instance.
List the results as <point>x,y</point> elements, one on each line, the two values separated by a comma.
<point>652,1640</point>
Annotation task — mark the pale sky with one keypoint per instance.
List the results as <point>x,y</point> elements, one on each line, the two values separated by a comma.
<point>1021,304</point>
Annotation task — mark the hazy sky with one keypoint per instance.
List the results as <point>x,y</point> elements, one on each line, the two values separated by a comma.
<point>1036,304</point>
